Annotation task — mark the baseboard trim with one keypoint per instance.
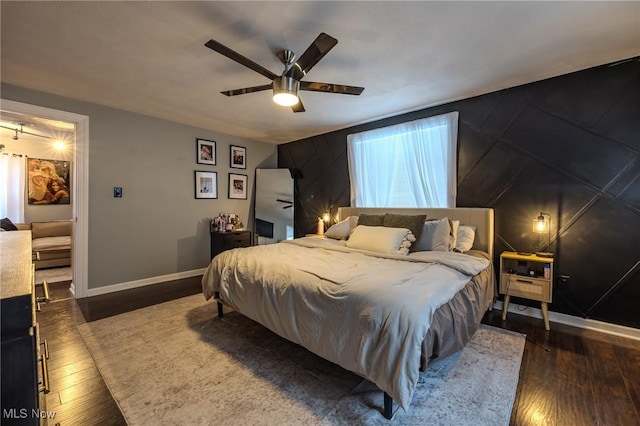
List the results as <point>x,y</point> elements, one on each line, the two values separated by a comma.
<point>143,282</point>
<point>584,323</point>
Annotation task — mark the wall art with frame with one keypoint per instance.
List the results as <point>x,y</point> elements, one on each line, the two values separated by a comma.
<point>237,187</point>
<point>206,184</point>
<point>205,152</point>
<point>238,159</point>
<point>48,181</point>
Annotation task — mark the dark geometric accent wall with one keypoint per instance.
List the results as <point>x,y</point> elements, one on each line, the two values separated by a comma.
<point>569,145</point>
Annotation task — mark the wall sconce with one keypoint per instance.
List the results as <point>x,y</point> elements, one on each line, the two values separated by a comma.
<point>542,225</point>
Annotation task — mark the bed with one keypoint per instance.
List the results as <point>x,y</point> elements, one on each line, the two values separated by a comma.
<point>395,311</point>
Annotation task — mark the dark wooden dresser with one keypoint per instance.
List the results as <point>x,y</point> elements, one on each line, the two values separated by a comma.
<point>23,372</point>
<point>221,241</point>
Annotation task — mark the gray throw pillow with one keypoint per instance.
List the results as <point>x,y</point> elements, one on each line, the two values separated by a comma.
<point>371,219</point>
<point>413,223</point>
<point>7,225</point>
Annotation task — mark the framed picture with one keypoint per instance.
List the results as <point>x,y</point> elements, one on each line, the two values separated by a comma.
<point>205,152</point>
<point>238,157</point>
<point>48,181</point>
<point>237,186</point>
<point>206,184</point>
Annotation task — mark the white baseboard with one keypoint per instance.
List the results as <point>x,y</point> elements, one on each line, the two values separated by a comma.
<point>585,323</point>
<point>143,282</point>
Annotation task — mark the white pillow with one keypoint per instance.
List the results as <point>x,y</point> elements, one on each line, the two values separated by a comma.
<point>381,239</point>
<point>455,224</point>
<point>342,230</point>
<point>436,235</point>
<point>465,238</point>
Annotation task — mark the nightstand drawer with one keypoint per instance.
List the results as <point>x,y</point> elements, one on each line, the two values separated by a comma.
<point>221,241</point>
<point>527,287</point>
<point>233,240</point>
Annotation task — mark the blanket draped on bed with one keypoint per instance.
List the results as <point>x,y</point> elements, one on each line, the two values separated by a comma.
<point>366,312</point>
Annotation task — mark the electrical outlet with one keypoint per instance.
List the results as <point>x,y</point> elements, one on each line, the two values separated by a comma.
<point>117,192</point>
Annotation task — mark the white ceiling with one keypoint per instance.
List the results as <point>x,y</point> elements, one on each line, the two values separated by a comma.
<point>149,57</point>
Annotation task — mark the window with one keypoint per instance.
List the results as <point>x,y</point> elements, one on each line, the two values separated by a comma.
<point>410,164</point>
<point>12,179</point>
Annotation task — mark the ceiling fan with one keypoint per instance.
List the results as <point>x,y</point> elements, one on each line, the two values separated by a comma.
<point>285,86</point>
<point>288,204</point>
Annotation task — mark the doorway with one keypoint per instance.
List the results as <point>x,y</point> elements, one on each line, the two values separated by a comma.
<point>80,185</point>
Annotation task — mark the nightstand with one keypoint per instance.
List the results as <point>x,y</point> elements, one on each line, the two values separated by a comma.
<point>526,276</point>
<point>221,241</point>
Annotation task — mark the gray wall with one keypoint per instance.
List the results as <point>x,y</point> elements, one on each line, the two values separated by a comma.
<point>158,227</point>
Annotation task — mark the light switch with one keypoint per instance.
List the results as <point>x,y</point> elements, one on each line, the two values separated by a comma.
<point>117,192</point>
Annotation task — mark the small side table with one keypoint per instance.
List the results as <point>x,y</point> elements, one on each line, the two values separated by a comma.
<point>526,276</point>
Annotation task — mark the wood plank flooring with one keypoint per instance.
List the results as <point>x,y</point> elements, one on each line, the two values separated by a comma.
<point>571,376</point>
<point>568,376</point>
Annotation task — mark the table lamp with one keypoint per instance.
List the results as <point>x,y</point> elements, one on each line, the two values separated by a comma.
<point>542,225</point>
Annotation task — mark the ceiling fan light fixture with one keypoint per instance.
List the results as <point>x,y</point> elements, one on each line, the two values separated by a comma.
<point>285,91</point>
<point>285,86</point>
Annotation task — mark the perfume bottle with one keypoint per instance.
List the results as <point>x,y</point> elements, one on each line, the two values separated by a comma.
<point>547,270</point>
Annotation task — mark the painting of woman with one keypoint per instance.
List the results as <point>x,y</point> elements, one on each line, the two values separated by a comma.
<point>47,181</point>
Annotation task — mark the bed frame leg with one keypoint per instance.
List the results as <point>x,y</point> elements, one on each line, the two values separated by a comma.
<point>216,296</point>
<point>388,406</point>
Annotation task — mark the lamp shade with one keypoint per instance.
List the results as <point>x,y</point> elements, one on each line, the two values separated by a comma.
<point>285,91</point>
<point>541,224</point>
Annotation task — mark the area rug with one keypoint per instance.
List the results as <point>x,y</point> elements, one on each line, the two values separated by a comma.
<point>178,363</point>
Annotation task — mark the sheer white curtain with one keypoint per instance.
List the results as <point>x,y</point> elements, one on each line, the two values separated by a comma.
<point>410,164</point>
<point>12,169</point>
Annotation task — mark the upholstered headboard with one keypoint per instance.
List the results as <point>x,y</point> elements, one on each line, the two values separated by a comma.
<point>481,218</point>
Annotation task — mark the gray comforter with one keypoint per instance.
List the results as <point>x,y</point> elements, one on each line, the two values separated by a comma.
<point>366,312</point>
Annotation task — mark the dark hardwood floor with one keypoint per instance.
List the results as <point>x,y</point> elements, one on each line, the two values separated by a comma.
<point>572,376</point>
<point>78,394</point>
<point>568,376</point>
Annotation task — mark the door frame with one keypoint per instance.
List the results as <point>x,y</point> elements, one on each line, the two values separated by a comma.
<point>80,189</point>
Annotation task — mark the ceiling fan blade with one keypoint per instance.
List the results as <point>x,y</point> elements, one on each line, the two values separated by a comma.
<point>298,107</point>
<point>330,88</point>
<point>316,51</point>
<point>235,56</point>
<point>245,90</point>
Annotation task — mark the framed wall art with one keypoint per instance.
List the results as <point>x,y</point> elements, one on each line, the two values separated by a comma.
<point>206,184</point>
<point>237,187</point>
<point>238,157</point>
<point>205,152</point>
<point>48,181</point>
